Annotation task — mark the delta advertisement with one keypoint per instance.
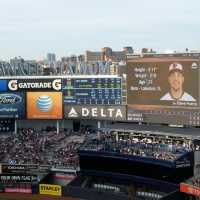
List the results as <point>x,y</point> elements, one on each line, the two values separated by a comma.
<point>12,105</point>
<point>34,84</point>
<point>96,112</point>
<point>163,87</point>
<point>44,105</point>
<point>50,189</point>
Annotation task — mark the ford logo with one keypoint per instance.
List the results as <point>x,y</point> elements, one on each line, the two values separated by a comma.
<point>44,103</point>
<point>10,99</point>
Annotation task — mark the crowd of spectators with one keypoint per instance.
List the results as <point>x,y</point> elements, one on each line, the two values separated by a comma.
<point>196,181</point>
<point>29,146</point>
<point>41,147</point>
<point>158,147</point>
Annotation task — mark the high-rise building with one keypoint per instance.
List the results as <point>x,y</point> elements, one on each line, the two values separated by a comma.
<point>107,54</point>
<point>91,56</point>
<point>128,50</point>
<point>51,57</point>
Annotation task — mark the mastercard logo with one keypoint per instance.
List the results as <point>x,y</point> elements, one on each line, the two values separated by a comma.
<point>44,103</point>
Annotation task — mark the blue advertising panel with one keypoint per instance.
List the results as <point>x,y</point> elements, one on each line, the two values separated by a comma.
<point>3,85</point>
<point>12,105</point>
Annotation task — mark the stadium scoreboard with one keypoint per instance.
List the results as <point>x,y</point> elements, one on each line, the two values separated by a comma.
<point>152,87</point>
<point>100,91</point>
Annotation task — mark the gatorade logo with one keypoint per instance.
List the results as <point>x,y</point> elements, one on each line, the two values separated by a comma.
<point>56,84</point>
<point>12,85</point>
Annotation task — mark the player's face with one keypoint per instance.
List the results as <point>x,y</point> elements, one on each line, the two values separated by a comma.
<point>176,80</point>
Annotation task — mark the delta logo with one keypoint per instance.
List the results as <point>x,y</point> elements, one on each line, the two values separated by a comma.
<point>72,113</point>
<point>95,112</point>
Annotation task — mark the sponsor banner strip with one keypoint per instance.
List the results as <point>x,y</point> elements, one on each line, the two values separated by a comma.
<point>96,112</point>
<point>35,84</point>
<point>18,190</point>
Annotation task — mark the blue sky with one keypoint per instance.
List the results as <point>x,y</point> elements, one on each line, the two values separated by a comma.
<point>31,28</point>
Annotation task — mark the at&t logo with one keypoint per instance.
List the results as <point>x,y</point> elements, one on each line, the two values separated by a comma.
<point>44,103</point>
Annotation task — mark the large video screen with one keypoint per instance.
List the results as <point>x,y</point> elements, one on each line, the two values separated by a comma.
<point>92,91</point>
<point>163,90</point>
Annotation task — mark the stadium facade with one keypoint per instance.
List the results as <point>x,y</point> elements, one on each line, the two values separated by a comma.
<point>136,150</point>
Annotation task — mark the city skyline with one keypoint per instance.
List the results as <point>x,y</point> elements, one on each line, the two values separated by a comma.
<point>31,29</point>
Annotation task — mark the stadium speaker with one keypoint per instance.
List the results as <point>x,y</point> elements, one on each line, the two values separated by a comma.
<point>76,125</point>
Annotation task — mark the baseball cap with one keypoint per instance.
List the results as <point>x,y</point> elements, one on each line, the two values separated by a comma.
<point>175,67</point>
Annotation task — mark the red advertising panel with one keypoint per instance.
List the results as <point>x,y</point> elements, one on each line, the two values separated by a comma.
<point>189,189</point>
<point>18,190</point>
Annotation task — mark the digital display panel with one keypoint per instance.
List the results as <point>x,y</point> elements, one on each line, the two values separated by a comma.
<point>95,112</point>
<point>163,90</point>
<point>7,125</point>
<point>18,178</point>
<point>12,105</point>
<point>33,84</point>
<point>89,91</point>
<point>44,105</point>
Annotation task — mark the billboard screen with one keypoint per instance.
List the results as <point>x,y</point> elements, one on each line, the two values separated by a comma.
<point>18,178</point>
<point>44,105</point>
<point>34,84</point>
<point>117,113</point>
<point>7,125</point>
<point>12,168</point>
<point>163,90</point>
<point>3,85</point>
<point>12,105</point>
<point>90,91</point>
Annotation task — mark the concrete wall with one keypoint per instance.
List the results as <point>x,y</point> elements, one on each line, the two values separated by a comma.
<point>42,124</point>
